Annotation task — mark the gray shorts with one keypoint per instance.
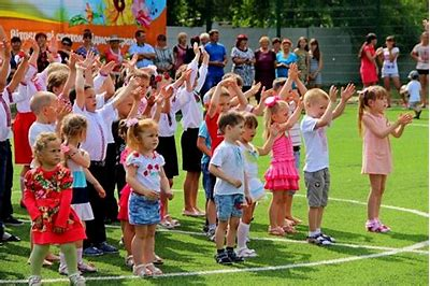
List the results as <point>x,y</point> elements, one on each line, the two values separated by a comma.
<point>317,184</point>
<point>414,105</point>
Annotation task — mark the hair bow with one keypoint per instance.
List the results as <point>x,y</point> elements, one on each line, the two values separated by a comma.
<point>131,122</point>
<point>271,101</point>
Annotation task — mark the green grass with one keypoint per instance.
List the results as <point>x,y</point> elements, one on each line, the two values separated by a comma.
<point>407,187</point>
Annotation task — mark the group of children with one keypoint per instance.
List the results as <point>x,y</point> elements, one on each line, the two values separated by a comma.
<point>70,141</point>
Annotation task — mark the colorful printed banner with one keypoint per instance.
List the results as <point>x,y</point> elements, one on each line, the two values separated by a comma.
<point>60,18</point>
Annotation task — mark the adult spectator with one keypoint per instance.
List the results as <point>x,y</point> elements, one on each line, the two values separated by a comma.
<point>420,54</point>
<point>190,53</point>
<point>367,54</point>
<point>164,60</point>
<point>390,67</point>
<point>265,64</point>
<point>316,65</point>
<point>15,57</point>
<point>301,52</point>
<point>276,45</point>
<point>243,61</point>
<point>65,50</point>
<point>204,38</point>
<point>217,62</point>
<point>113,53</point>
<point>284,58</point>
<point>180,50</point>
<point>146,53</point>
<point>87,38</point>
<point>42,60</point>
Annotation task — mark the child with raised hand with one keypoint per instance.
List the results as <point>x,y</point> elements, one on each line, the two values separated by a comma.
<point>73,133</point>
<point>147,180</point>
<point>227,164</point>
<point>251,155</point>
<point>48,197</point>
<point>320,110</point>
<point>281,178</point>
<point>376,151</point>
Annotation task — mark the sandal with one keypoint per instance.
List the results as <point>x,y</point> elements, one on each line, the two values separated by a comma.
<point>141,270</point>
<point>289,229</point>
<point>153,270</point>
<point>158,260</point>
<point>166,224</point>
<point>190,213</point>
<point>277,231</point>
<point>295,220</point>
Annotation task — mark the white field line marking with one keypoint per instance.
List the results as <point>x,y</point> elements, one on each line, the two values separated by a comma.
<point>242,270</point>
<point>420,125</point>
<point>414,211</point>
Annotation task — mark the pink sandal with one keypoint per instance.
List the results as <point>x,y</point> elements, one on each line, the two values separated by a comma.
<point>277,231</point>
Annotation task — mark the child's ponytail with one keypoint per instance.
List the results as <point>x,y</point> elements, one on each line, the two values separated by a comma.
<point>361,109</point>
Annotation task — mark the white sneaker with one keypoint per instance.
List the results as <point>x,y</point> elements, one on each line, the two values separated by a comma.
<point>76,280</point>
<point>246,252</point>
<point>35,280</point>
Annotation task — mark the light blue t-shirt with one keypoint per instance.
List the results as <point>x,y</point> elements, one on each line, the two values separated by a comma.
<point>228,157</point>
<point>142,49</point>
<point>217,52</point>
<point>282,71</point>
<point>203,133</point>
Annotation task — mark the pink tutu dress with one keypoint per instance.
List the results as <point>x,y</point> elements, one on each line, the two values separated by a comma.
<point>282,173</point>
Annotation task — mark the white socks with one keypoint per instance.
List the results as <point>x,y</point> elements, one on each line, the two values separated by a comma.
<point>242,234</point>
<point>79,255</point>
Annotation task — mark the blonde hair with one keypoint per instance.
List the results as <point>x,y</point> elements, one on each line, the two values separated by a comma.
<point>56,79</point>
<point>134,132</point>
<point>314,95</point>
<point>73,125</point>
<point>269,112</point>
<point>371,93</point>
<point>56,67</point>
<point>263,39</point>
<point>42,141</point>
<point>250,120</point>
<point>41,100</point>
<point>181,34</point>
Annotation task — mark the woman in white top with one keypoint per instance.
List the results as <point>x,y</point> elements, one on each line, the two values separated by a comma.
<point>421,55</point>
<point>390,67</point>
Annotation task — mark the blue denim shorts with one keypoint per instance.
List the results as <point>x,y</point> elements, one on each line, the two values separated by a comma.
<point>207,182</point>
<point>143,211</point>
<point>229,206</point>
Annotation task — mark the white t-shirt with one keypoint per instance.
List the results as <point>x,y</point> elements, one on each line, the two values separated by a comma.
<point>316,145</point>
<point>414,89</point>
<point>98,130</point>
<point>295,131</point>
<point>388,66</point>
<point>38,128</point>
<point>423,54</point>
<point>251,156</point>
<point>228,157</point>
<point>148,173</point>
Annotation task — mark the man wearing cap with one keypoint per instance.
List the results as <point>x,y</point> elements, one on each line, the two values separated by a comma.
<point>66,49</point>
<point>146,53</point>
<point>218,61</point>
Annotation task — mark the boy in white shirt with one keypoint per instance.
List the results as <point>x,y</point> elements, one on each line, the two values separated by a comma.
<point>320,110</point>
<point>227,164</point>
<point>414,89</point>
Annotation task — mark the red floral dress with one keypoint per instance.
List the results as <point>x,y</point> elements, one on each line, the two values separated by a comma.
<point>49,194</point>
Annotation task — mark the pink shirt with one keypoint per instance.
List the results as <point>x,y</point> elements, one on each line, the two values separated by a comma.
<point>376,152</point>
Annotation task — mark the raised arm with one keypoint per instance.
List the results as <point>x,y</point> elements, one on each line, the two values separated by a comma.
<point>346,94</point>
<point>79,86</point>
<point>293,119</point>
<point>327,116</point>
<point>266,148</point>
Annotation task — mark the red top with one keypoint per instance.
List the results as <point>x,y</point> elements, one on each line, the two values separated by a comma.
<point>49,194</point>
<point>368,69</point>
<point>216,137</point>
<point>116,57</point>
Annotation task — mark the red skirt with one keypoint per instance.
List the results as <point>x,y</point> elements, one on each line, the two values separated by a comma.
<point>123,213</point>
<point>21,126</point>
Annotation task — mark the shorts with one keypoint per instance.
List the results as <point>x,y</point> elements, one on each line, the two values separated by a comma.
<point>391,75</point>
<point>168,150</point>
<point>317,184</point>
<point>192,156</point>
<point>207,182</point>
<point>422,71</point>
<point>143,211</point>
<point>228,206</point>
<point>414,105</point>
<point>297,154</point>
